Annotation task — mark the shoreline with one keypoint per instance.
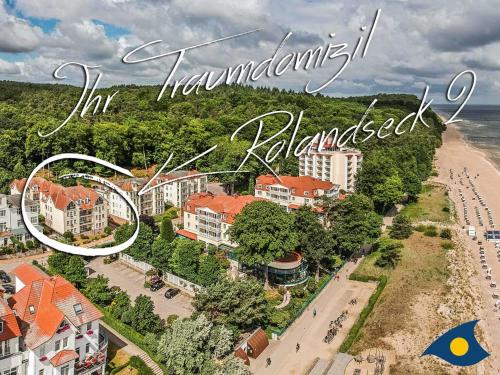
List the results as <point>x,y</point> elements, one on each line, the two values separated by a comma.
<point>455,154</point>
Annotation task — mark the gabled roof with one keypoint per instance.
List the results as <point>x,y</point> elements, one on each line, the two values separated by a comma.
<point>44,303</point>
<point>62,357</point>
<point>187,234</point>
<point>178,174</point>
<point>297,184</point>
<point>10,325</point>
<point>18,184</point>
<point>227,205</point>
<point>27,273</point>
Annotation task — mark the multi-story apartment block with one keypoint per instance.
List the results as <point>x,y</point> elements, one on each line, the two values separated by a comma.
<point>176,193</point>
<point>208,217</point>
<point>76,209</point>
<point>331,163</point>
<point>48,327</point>
<point>11,221</point>
<point>151,203</point>
<point>292,192</point>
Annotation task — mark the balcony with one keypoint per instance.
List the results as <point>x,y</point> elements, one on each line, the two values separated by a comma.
<point>94,362</point>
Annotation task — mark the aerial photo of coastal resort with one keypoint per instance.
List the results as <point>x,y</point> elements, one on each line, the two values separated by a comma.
<point>267,223</point>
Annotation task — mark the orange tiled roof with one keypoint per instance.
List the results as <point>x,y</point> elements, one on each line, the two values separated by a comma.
<point>18,184</point>
<point>10,325</point>
<point>44,303</point>
<point>187,234</point>
<point>62,357</point>
<point>227,205</point>
<point>299,185</point>
<point>27,273</point>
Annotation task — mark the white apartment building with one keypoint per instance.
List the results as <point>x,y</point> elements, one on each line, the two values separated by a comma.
<point>291,192</point>
<point>152,203</point>
<point>337,165</point>
<point>11,221</point>
<point>76,209</point>
<point>208,217</point>
<point>176,193</point>
<point>57,330</point>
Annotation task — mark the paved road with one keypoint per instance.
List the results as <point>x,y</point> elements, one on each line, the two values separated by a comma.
<point>309,331</point>
<point>132,282</point>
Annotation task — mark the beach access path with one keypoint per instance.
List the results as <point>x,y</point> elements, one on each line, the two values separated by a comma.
<point>455,154</point>
<point>309,331</point>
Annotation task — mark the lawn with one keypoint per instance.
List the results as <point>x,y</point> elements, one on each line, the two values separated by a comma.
<point>433,205</point>
<point>422,270</point>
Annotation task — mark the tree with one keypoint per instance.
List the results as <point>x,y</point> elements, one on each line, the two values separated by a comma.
<point>264,232</point>
<point>68,236</point>
<point>401,227</point>
<point>446,234</point>
<point>167,230</point>
<point>161,252</point>
<point>354,222</point>
<point>390,252</point>
<point>315,242</point>
<point>210,270</point>
<point>233,366</point>
<point>143,317</point>
<point>388,193</point>
<point>240,304</point>
<point>185,258</point>
<point>150,222</point>
<point>74,272</point>
<point>121,303</point>
<point>58,261</point>
<point>98,291</point>
<point>141,248</point>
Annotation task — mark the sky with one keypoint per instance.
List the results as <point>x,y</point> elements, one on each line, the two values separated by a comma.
<point>416,43</point>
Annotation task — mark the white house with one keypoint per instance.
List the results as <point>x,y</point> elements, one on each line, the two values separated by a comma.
<point>208,217</point>
<point>176,193</point>
<point>292,192</point>
<point>60,333</point>
<point>11,221</point>
<point>331,163</point>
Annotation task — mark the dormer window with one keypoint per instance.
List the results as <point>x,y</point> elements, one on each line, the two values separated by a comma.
<point>63,324</point>
<point>306,193</point>
<point>32,309</point>
<point>1,326</point>
<point>78,308</point>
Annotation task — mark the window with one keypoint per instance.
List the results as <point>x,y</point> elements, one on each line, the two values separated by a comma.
<point>1,326</point>
<point>89,326</point>
<point>7,348</point>
<point>42,350</point>
<point>65,342</point>
<point>63,323</point>
<point>32,309</point>
<point>3,227</point>
<point>77,350</point>
<point>2,213</point>
<point>12,371</point>
<point>306,193</point>
<point>65,370</point>
<point>58,345</point>
<point>78,308</point>
<point>40,372</point>
<point>87,348</point>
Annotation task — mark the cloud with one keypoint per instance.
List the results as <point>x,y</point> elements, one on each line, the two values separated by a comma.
<point>17,34</point>
<point>7,67</point>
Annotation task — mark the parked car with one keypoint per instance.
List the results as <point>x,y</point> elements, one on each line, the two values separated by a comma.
<point>8,288</point>
<point>157,285</point>
<point>171,292</point>
<point>4,277</point>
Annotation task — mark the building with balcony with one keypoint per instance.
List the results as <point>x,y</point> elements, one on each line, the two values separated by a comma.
<point>292,192</point>
<point>74,209</point>
<point>331,163</point>
<point>176,192</point>
<point>208,217</point>
<point>48,327</point>
<point>11,221</point>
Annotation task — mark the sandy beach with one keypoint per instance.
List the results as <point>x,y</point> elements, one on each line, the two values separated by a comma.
<point>452,158</point>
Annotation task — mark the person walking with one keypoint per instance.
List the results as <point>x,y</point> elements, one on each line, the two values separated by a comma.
<point>314,313</point>
<point>297,347</point>
<point>268,361</point>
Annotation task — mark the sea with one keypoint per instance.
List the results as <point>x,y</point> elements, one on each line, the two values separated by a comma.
<point>480,126</point>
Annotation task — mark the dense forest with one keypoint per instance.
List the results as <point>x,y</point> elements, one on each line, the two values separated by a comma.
<point>138,131</point>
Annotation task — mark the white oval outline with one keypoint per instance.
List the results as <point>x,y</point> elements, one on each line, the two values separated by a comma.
<point>77,250</point>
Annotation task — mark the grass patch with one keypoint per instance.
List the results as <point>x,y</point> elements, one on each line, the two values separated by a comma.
<point>432,205</point>
<point>447,245</point>
<point>422,270</point>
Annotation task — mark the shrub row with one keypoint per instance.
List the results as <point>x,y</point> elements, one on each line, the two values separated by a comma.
<point>355,330</point>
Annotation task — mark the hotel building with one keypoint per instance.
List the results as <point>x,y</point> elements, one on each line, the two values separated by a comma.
<point>48,327</point>
<point>176,193</point>
<point>11,221</point>
<point>292,192</point>
<point>331,163</point>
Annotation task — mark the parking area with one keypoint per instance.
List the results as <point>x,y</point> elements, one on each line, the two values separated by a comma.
<point>132,282</point>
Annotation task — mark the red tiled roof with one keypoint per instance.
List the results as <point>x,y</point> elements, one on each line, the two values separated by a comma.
<point>62,357</point>
<point>227,205</point>
<point>44,303</point>
<point>187,234</point>
<point>10,324</point>
<point>18,184</point>
<point>27,273</point>
<point>299,185</point>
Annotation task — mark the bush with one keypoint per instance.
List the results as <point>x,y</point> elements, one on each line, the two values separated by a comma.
<point>172,318</point>
<point>420,228</point>
<point>430,233</point>
<point>312,285</point>
<point>140,366</point>
<point>108,230</point>
<point>84,237</point>
<point>446,209</point>
<point>147,284</point>
<point>401,227</point>
<point>446,234</point>
<point>447,245</point>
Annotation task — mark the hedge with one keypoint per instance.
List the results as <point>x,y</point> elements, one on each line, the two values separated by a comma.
<point>356,328</point>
